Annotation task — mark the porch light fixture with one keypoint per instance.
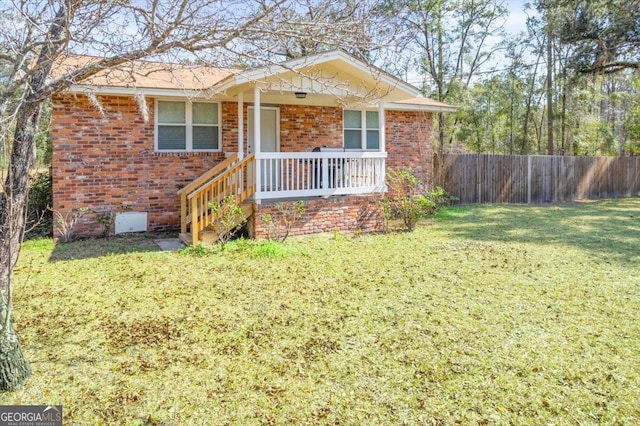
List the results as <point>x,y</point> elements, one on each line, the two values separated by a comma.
<point>301,95</point>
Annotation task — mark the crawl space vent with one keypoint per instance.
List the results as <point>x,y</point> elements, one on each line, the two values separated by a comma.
<point>131,222</point>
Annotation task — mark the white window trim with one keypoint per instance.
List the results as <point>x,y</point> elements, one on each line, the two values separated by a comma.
<point>363,130</point>
<point>188,124</point>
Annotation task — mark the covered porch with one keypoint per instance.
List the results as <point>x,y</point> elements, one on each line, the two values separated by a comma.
<point>348,162</point>
<point>313,127</point>
<point>301,134</point>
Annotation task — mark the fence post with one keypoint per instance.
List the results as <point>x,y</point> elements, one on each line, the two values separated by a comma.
<point>529,179</point>
<point>479,179</point>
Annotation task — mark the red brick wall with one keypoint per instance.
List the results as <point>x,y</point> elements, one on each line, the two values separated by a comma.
<point>230,127</point>
<point>303,128</point>
<point>343,214</point>
<point>409,142</point>
<point>109,162</point>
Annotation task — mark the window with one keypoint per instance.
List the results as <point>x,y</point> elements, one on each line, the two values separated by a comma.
<point>187,126</point>
<point>361,129</point>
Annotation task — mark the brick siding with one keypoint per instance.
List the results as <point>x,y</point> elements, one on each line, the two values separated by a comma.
<point>409,142</point>
<point>303,128</point>
<point>108,162</point>
<point>105,160</point>
<point>347,214</point>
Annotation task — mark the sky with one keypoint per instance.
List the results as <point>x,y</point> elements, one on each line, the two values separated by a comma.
<point>514,24</point>
<point>517,18</point>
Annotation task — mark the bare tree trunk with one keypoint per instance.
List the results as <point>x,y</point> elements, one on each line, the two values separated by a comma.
<point>539,128</point>
<point>441,133</point>
<point>511,119</point>
<point>549,92</point>
<point>524,149</point>
<point>564,121</point>
<point>14,370</point>
<point>440,82</point>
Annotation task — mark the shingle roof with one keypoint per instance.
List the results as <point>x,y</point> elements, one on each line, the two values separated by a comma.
<point>161,75</point>
<point>151,75</point>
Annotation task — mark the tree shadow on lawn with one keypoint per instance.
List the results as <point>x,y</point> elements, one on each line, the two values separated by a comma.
<point>99,247</point>
<point>608,228</point>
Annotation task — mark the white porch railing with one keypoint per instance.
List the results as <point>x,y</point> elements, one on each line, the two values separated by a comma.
<point>306,174</point>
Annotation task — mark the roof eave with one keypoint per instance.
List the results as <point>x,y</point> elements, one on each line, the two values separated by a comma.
<point>412,107</point>
<point>133,91</point>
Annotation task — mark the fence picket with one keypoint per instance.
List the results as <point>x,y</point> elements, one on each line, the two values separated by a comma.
<point>486,178</point>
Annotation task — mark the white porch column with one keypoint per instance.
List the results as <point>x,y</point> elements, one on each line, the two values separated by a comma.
<point>383,146</point>
<point>256,142</point>
<point>240,126</point>
<point>383,127</point>
<point>256,120</point>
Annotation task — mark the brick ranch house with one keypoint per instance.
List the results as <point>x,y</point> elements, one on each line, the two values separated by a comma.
<point>156,143</point>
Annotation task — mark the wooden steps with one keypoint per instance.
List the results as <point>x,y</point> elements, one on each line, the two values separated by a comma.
<point>185,237</point>
<point>208,235</point>
<point>231,178</point>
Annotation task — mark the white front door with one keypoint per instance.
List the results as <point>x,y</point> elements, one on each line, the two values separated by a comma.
<point>269,142</point>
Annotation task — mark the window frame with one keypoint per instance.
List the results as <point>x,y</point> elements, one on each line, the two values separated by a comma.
<point>188,124</point>
<point>363,130</point>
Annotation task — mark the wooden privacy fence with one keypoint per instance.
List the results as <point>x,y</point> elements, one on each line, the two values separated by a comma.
<point>487,178</point>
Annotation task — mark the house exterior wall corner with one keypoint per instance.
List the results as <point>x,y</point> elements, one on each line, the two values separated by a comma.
<point>410,142</point>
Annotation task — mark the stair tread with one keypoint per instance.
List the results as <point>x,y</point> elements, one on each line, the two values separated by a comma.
<point>185,237</point>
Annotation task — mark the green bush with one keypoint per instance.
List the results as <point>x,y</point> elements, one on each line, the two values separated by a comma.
<point>106,220</point>
<point>279,224</point>
<point>40,194</point>
<point>440,197</point>
<point>403,200</point>
<point>39,213</point>
<point>228,218</point>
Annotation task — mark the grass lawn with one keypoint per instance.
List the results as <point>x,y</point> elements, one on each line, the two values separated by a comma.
<point>489,315</point>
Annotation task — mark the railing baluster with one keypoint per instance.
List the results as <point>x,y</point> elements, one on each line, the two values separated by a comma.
<point>272,163</point>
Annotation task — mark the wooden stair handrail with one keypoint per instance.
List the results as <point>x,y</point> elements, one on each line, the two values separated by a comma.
<point>210,174</point>
<point>225,174</point>
<point>232,178</point>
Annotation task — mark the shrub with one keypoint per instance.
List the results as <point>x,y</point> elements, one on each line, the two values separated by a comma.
<point>66,224</point>
<point>410,209</point>
<point>404,201</point>
<point>105,219</point>
<point>440,197</point>
<point>279,224</point>
<point>40,194</point>
<point>401,200</point>
<point>228,218</point>
<point>39,215</point>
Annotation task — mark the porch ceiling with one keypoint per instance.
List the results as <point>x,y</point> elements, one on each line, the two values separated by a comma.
<point>275,97</point>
